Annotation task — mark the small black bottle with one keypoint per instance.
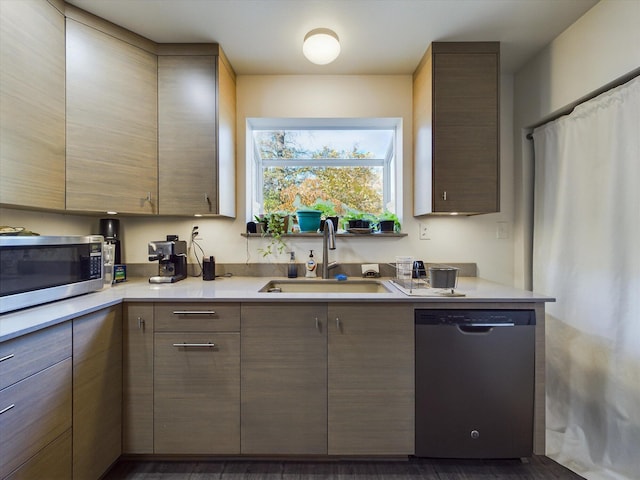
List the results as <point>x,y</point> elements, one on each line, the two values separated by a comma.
<point>292,271</point>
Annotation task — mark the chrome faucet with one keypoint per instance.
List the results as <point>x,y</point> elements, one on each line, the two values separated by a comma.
<point>328,243</point>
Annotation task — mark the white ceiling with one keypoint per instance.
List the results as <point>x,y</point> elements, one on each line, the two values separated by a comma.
<point>377,36</point>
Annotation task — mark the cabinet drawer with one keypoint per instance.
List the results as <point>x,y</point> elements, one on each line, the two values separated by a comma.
<point>35,411</point>
<point>53,462</point>
<point>197,317</point>
<point>26,355</point>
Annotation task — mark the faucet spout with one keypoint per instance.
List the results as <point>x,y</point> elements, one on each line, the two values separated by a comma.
<point>328,243</point>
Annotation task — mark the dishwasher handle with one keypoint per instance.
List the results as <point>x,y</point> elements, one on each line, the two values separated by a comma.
<point>480,328</point>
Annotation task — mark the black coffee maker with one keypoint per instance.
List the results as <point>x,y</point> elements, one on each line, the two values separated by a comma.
<point>172,255</point>
<point>110,230</point>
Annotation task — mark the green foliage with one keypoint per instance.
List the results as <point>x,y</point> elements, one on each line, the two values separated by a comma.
<point>274,225</point>
<point>387,215</point>
<point>346,187</point>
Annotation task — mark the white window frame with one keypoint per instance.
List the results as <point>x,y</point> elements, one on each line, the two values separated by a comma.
<point>391,163</point>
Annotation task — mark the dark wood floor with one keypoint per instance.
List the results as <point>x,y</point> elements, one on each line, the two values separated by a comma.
<point>535,468</point>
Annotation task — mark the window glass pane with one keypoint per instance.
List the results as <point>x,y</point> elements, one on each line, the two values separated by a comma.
<point>323,143</point>
<point>348,165</point>
<point>347,188</point>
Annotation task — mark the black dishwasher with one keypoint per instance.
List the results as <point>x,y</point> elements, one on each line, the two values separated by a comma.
<point>474,383</point>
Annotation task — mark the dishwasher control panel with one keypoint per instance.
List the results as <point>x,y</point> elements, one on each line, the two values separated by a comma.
<point>475,317</point>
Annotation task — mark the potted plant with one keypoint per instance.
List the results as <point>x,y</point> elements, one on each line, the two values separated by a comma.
<point>274,225</point>
<point>357,219</point>
<point>389,222</point>
<point>328,212</point>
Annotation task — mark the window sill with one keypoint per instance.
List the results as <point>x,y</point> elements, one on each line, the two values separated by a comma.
<point>339,234</point>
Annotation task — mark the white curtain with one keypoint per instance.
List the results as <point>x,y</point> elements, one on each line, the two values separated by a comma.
<point>587,255</point>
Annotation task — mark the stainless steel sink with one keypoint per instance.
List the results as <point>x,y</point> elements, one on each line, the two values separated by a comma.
<point>325,286</point>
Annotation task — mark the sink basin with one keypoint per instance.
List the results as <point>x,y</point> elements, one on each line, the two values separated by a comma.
<point>325,286</point>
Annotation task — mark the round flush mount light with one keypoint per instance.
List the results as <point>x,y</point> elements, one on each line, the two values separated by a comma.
<point>321,46</point>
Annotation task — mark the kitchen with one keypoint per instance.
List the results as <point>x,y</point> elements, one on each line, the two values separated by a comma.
<point>529,96</point>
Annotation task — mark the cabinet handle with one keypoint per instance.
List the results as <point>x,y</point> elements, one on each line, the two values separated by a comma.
<point>194,312</point>
<point>194,345</point>
<point>6,409</point>
<point>148,199</point>
<point>141,323</point>
<point>317,324</point>
<point>6,357</point>
<point>338,323</point>
<point>444,196</point>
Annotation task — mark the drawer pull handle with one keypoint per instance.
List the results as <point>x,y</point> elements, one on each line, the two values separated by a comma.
<point>194,345</point>
<point>6,409</point>
<point>6,357</point>
<point>194,312</point>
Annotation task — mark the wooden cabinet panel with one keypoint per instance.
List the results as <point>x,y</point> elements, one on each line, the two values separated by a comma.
<point>35,411</point>
<point>52,463</point>
<point>26,355</point>
<point>226,137</point>
<point>456,129</point>
<point>187,149</point>
<point>197,393</point>
<point>111,123</point>
<point>97,392</point>
<point>197,317</point>
<point>371,379</point>
<point>137,378</point>
<point>196,130</point>
<point>32,105</point>
<point>284,378</point>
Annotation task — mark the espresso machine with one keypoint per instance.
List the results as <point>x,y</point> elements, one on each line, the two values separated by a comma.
<point>172,255</point>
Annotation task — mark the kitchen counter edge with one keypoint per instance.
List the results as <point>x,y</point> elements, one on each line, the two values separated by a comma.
<point>235,289</point>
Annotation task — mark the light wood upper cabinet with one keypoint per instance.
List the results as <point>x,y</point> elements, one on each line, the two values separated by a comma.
<point>456,129</point>
<point>32,104</point>
<point>111,123</point>
<point>97,392</point>
<point>370,379</point>
<point>196,131</point>
<point>284,379</point>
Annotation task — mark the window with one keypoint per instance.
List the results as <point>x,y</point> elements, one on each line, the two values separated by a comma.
<point>351,164</point>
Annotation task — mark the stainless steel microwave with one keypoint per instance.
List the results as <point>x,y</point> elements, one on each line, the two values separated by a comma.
<point>41,269</point>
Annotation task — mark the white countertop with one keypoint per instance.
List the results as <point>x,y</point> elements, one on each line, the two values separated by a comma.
<point>237,289</point>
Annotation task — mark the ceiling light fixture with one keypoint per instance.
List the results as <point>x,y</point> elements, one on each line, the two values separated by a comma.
<point>321,46</point>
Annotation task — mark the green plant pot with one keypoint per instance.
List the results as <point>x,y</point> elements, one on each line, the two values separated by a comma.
<point>309,220</point>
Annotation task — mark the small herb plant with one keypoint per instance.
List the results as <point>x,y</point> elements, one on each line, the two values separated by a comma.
<point>274,225</point>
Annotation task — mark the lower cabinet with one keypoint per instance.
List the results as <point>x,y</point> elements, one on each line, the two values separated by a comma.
<point>34,412</point>
<point>370,379</point>
<point>53,462</point>
<point>268,379</point>
<point>332,379</point>
<point>137,378</point>
<point>196,379</point>
<point>284,379</point>
<point>97,392</point>
<point>36,404</point>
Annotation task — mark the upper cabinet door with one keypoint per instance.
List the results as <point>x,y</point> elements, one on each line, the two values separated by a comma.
<point>111,123</point>
<point>187,135</point>
<point>456,129</point>
<point>32,104</point>
<point>196,131</point>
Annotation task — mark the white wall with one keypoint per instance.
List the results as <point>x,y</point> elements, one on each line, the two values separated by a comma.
<point>459,239</point>
<point>600,47</point>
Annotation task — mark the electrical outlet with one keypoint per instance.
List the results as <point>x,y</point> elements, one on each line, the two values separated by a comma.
<point>424,232</point>
<point>198,235</point>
